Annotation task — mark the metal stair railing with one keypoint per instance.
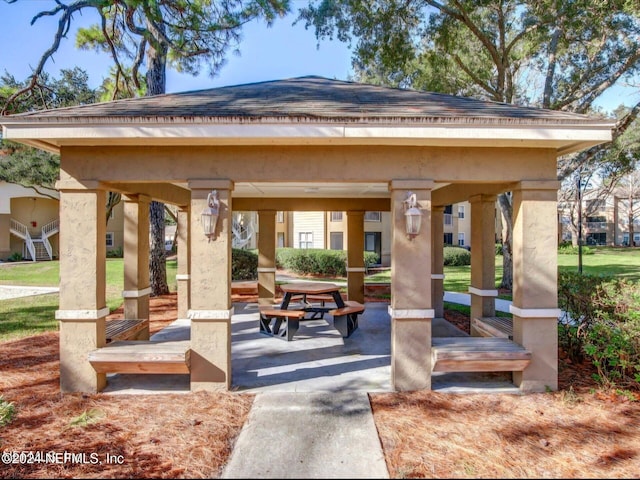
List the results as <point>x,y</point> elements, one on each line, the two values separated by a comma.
<point>22,231</point>
<point>242,234</point>
<point>48,230</point>
<point>51,228</point>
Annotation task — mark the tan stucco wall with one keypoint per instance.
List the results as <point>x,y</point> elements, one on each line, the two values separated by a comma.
<point>303,164</point>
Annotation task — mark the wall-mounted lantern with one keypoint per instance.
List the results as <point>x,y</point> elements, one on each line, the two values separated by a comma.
<point>412,215</point>
<point>209,216</point>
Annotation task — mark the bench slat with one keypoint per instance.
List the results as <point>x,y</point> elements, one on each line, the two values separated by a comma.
<point>275,312</point>
<point>494,326</point>
<point>478,354</point>
<point>125,329</point>
<point>142,357</point>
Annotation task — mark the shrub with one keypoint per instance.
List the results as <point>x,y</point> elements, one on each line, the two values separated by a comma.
<point>602,324</point>
<point>569,249</point>
<point>7,412</point>
<point>498,249</point>
<point>115,253</point>
<point>313,261</point>
<point>456,256</point>
<point>244,264</point>
<point>16,257</point>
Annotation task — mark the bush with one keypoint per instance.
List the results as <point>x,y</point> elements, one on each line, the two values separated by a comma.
<point>7,412</point>
<point>498,249</point>
<point>115,253</point>
<point>456,256</point>
<point>602,324</point>
<point>15,257</point>
<point>244,264</point>
<point>313,261</point>
<point>569,249</point>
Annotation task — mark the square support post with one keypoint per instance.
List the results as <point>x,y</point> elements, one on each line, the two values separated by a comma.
<point>437,261</point>
<point>267,257</point>
<point>83,306</point>
<point>184,261</point>
<point>5,235</point>
<point>136,259</point>
<point>483,257</point>
<point>210,302</point>
<point>411,308</point>
<point>355,255</point>
<point>535,282</point>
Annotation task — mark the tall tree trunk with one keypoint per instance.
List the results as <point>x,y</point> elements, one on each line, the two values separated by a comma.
<point>156,85</point>
<point>631,226</point>
<point>504,201</point>
<point>157,256</point>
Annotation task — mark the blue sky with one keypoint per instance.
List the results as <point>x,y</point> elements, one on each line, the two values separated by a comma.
<point>281,51</point>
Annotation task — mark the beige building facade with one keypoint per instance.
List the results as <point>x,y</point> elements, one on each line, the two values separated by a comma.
<point>265,148</point>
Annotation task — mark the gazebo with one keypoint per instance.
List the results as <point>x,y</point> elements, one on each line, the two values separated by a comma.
<point>299,144</point>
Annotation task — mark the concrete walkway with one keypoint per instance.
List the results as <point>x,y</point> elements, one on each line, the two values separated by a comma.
<point>308,435</point>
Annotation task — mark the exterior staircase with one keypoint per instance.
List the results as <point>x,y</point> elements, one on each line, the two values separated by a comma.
<point>36,248</point>
<point>242,232</point>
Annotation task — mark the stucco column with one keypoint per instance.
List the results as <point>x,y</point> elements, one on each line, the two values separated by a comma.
<point>437,261</point>
<point>136,259</point>
<point>183,249</point>
<point>483,257</point>
<point>267,257</point>
<point>535,282</point>
<point>355,255</point>
<point>411,308</point>
<point>210,305</point>
<point>82,284</point>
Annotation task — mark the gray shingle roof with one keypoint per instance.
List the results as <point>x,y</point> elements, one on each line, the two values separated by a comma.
<point>304,99</point>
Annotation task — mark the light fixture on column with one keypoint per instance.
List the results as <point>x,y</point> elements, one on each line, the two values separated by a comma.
<point>412,215</point>
<point>209,216</point>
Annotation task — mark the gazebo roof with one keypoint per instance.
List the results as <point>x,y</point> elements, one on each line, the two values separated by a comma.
<point>359,111</point>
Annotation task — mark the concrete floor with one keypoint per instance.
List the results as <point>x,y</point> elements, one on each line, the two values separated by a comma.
<point>317,360</point>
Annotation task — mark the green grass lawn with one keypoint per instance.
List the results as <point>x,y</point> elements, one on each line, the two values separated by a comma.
<point>22,317</point>
<point>624,262</point>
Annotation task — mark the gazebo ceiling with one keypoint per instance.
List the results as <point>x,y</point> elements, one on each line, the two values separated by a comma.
<point>306,111</point>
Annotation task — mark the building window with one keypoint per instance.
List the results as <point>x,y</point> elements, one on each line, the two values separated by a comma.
<point>280,239</point>
<point>306,239</point>
<point>372,217</point>
<point>448,238</point>
<point>280,217</point>
<point>336,240</point>
<point>460,211</point>
<point>336,216</point>
<point>109,239</point>
<point>461,239</point>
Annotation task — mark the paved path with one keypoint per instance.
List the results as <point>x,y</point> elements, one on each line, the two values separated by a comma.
<point>15,291</point>
<point>308,435</point>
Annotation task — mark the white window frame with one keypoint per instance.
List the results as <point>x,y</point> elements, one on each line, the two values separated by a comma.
<point>460,211</point>
<point>372,217</point>
<point>110,239</point>
<point>461,239</point>
<point>280,217</point>
<point>336,216</point>
<point>305,240</point>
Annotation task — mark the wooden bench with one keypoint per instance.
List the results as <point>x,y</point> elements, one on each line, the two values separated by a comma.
<point>142,357</point>
<point>477,354</point>
<point>127,330</point>
<point>345,319</point>
<point>501,327</point>
<point>290,318</point>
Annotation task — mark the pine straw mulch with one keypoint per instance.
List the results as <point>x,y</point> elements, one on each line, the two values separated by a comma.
<point>577,432</point>
<point>158,436</point>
